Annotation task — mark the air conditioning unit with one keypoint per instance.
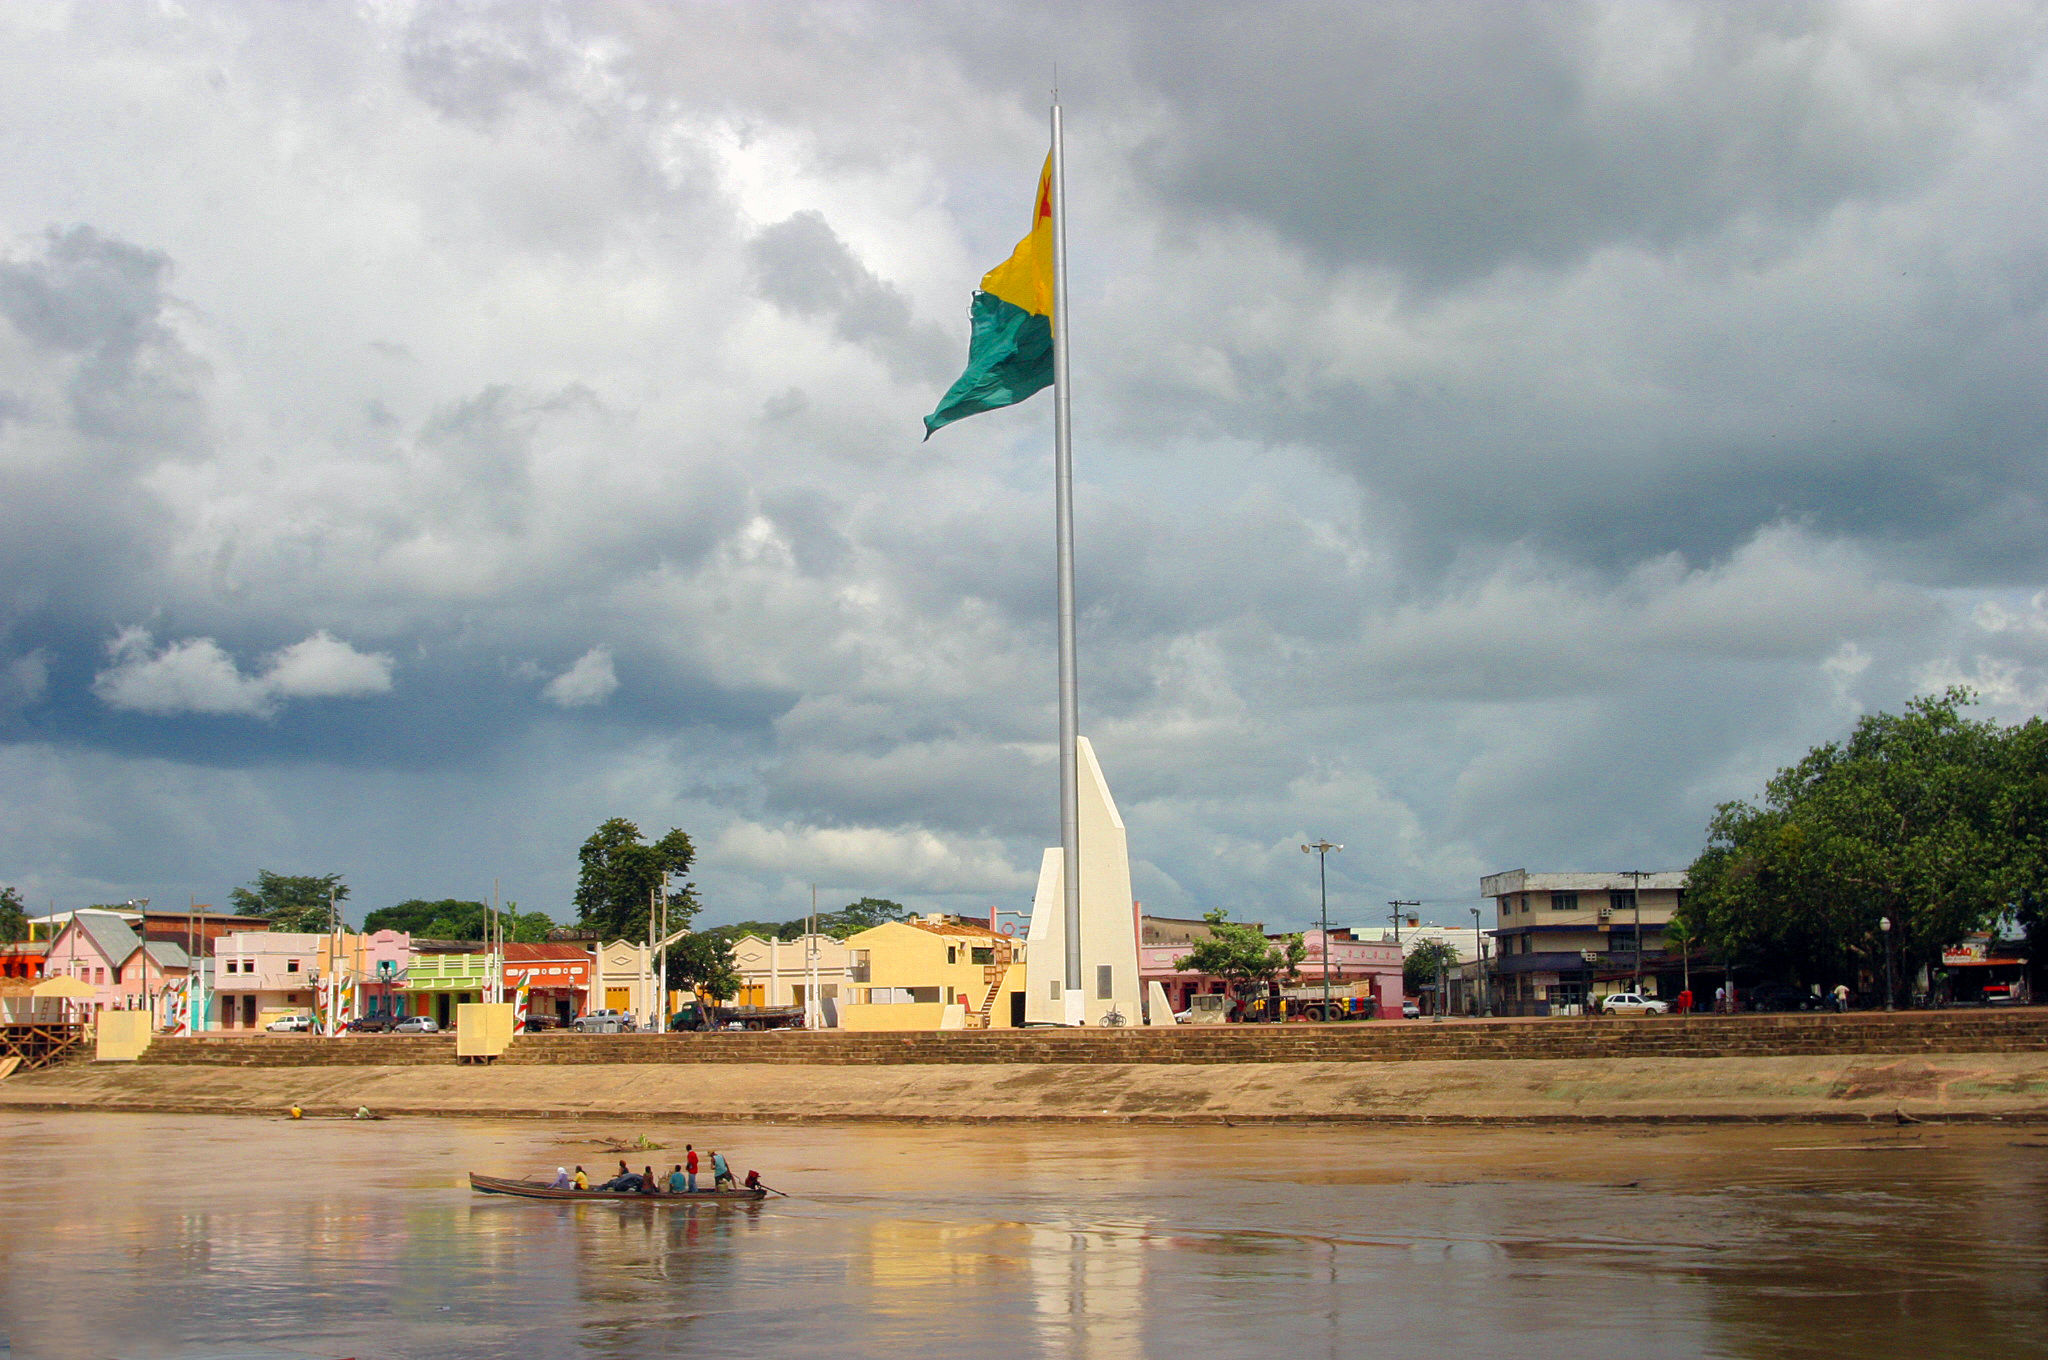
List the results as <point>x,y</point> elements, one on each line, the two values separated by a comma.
<point>1606,913</point>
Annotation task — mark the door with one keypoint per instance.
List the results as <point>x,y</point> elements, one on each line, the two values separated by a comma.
<point>1016,1010</point>
<point>617,998</point>
<point>249,1012</point>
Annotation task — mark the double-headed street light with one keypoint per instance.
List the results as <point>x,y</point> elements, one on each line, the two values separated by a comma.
<point>1322,851</point>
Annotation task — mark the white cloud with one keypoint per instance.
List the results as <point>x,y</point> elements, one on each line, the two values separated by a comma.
<point>197,676</point>
<point>590,681</point>
<point>910,860</point>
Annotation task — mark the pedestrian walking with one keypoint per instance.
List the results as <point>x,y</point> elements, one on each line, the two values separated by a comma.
<point>1720,1000</point>
<point>1841,998</point>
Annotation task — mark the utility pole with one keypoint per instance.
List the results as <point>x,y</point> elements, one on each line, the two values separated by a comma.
<point>1322,851</point>
<point>1638,875</point>
<point>1396,915</point>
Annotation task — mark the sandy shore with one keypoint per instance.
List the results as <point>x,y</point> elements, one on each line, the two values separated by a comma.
<point>1962,1086</point>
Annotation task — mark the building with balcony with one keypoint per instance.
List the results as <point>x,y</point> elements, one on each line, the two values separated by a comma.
<point>443,974</point>
<point>906,975</point>
<point>1566,940</point>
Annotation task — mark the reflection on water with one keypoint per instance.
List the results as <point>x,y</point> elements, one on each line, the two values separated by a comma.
<point>183,1236</point>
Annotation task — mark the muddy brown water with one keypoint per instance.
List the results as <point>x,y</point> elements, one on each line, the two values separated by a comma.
<point>165,1236</point>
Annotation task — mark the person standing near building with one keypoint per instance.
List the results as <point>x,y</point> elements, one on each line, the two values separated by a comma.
<point>1841,998</point>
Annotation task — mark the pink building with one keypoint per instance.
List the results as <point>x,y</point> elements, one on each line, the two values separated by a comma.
<point>1352,963</point>
<point>102,950</point>
<point>1356,967</point>
<point>380,978</point>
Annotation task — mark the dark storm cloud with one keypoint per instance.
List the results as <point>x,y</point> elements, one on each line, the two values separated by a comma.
<point>99,305</point>
<point>1443,142</point>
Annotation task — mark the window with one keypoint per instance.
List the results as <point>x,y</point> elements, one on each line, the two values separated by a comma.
<point>1104,978</point>
<point>231,965</point>
<point>952,954</point>
<point>982,956</point>
<point>99,975</point>
<point>1053,989</point>
<point>1564,901</point>
<point>1621,899</point>
<point>1622,940</point>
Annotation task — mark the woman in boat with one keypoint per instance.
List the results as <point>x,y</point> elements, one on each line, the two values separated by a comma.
<point>581,1180</point>
<point>648,1184</point>
<point>561,1180</point>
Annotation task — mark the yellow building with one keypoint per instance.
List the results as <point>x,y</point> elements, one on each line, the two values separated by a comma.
<point>934,972</point>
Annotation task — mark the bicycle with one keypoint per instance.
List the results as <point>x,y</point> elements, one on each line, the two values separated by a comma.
<point>1113,1019</point>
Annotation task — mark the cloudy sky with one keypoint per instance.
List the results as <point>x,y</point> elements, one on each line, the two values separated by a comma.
<point>1503,432</point>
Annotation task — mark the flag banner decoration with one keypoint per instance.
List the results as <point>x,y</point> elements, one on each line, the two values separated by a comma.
<point>522,1002</point>
<point>1009,356</point>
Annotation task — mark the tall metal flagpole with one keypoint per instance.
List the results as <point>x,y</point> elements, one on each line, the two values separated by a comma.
<point>1063,481</point>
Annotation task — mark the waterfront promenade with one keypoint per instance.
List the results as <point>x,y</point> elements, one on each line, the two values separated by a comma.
<point>1974,1065</point>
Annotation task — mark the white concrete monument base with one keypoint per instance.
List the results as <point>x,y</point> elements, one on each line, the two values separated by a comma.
<point>1109,918</point>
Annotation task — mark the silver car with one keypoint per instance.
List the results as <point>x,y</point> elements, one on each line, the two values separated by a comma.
<point>604,1022</point>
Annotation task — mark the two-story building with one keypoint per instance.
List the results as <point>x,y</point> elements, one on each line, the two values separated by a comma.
<point>444,974</point>
<point>259,976</point>
<point>1565,940</point>
<point>94,947</point>
<point>905,975</point>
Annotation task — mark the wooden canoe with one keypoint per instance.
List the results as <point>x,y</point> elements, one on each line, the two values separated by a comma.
<point>495,1185</point>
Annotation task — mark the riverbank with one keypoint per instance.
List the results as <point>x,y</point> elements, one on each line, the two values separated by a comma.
<point>1932,1087</point>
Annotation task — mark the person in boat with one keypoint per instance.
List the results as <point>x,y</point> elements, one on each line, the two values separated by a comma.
<point>581,1180</point>
<point>721,1174</point>
<point>753,1180</point>
<point>650,1184</point>
<point>618,1182</point>
<point>561,1180</point>
<point>678,1183</point>
<point>690,1164</point>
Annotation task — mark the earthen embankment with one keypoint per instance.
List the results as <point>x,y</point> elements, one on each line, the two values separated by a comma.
<point>1956,1065</point>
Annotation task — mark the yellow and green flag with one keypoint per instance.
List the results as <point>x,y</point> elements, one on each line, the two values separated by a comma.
<point>1010,354</point>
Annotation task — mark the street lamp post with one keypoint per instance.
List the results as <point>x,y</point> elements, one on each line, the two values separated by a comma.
<point>1322,851</point>
<point>1884,926</point>
<point>1479,1006</point>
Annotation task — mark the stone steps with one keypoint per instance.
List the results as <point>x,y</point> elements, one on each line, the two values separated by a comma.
<point>1878,1034</point>
<point>356,1050</point>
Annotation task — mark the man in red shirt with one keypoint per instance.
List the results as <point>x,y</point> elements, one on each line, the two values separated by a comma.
<point>690,1165</point>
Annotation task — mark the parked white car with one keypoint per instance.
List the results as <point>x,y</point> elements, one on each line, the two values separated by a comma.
<point>416,1024</point>
<point>291,1024</point>
<point>604,1022</point>
<point>1634,1003</point>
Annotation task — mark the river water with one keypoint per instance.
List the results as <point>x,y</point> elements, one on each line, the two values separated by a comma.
<point>165,1236</point>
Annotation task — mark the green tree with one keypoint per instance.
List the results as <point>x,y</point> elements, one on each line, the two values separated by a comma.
<point>457,919</point>
<point>620,871</point>
<point>291,902</point>
<point>1933,820</point>
<point>1419,969</point>
<point>703,962</point>
<point>1242,957</point>
<point>855,917</point>
<point>13,917</point>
